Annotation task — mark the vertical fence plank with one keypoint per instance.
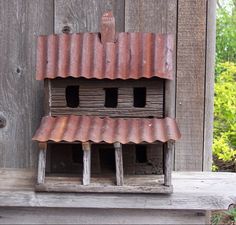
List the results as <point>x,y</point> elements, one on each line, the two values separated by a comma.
<point>20,94</point>
<point>190,83</point>
<point>158,16</point>
<point>209,84</point>
<point>85,15</point>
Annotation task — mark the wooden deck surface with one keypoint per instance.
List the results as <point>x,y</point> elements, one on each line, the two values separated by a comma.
<point>192,191</point>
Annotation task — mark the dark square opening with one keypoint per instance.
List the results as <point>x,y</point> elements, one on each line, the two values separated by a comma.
<point>111,97</point>
<point>107,160</point>
<point>139,96</point>
<point>63,158</point>
<point>77,154</point>
<point>141,153</point>
<point>72,96</point>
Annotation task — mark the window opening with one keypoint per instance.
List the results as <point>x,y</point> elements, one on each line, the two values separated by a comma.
<point>64,158</point>
<point>141,153</point>
<point>72,96</point>
<point>111,97</point>
<point>107,160</point>
<point>139,96</point>
<point>77,154</point>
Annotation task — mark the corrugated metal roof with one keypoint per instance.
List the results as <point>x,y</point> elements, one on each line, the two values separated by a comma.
<point>132,56</point>
<point>110,130</point>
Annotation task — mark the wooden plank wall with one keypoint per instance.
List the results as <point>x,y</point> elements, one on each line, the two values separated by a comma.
<point>20,95</point>
<point>190,83</point>
<point>190,94</point>
<point>92,102</point>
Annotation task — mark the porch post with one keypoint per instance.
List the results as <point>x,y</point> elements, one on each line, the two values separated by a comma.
<point>119,164</point>
<point>86,146</point>
<point>168,164</point>
<point>41,162</point>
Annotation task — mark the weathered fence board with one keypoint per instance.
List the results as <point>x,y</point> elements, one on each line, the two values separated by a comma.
<point>190,83</point>
<point>20,94</point>
<point>209,84</point>
<point>84,15</point>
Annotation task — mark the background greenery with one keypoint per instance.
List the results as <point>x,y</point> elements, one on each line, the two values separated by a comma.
<point>224,146</point>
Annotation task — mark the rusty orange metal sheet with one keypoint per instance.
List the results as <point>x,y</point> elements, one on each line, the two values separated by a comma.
<point>132,56</point>
<point>110,130</point>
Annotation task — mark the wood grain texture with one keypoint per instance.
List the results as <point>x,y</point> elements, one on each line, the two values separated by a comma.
<point>168,156</point>
<point>119,164</point>
<point>92,98</point>
<point>20,94</point>
<point>209,84</point>
<point>87,163</point>
<point>84,15</point>
<point>193,191</point>
<point>98,216</point>
<point>41,166</point>
<point>190,83</point>
<point>77,188</point>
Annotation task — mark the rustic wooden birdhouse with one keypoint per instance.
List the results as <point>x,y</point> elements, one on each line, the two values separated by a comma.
<point>105,128</point>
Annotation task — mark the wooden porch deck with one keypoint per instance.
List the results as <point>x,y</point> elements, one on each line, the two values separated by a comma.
<point>195,193</point>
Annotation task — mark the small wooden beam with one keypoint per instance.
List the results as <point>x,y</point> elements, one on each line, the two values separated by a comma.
<point>42,162</point>
<point>168,164</point>
<point>87,163</point>
<point>108,28</point>
<point>119,164</point>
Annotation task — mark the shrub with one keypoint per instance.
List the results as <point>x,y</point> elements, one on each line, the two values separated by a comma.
<point>224,145</point>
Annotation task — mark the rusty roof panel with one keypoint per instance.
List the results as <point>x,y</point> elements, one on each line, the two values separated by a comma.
<point>110,130</point>
<point>132,56</point>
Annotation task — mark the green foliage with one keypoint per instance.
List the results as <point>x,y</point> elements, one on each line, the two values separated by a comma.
<point>232,214</point>
<point>224,217</point>
<point>226,31</point>
<point>224,146</point>
<point>216,218</point>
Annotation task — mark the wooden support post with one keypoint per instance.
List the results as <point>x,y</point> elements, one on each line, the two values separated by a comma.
<point>41,162</point>
<point>168,152</point>
<point>87,163</point>
<point>119,164</point>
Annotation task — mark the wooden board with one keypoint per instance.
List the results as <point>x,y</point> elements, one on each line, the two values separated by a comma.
<point>99,184</point>
<point>192,191</point>
<point>190,83</point>
<point>98,216</point>
<point>21,95</point>
<point>209,84</point>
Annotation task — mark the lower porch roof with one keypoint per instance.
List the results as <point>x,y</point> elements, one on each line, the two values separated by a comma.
<point>96,129</point>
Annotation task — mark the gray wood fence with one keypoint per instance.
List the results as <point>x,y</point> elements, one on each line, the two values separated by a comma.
<point>21,106</point>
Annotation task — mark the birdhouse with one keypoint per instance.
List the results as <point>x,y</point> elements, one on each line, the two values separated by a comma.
<point>105,128</point>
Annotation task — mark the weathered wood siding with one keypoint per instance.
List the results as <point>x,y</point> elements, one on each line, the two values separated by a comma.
<point>191,47</point>
<point>92,98</point>
<point>189,95</point>
<point>20,94</point>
